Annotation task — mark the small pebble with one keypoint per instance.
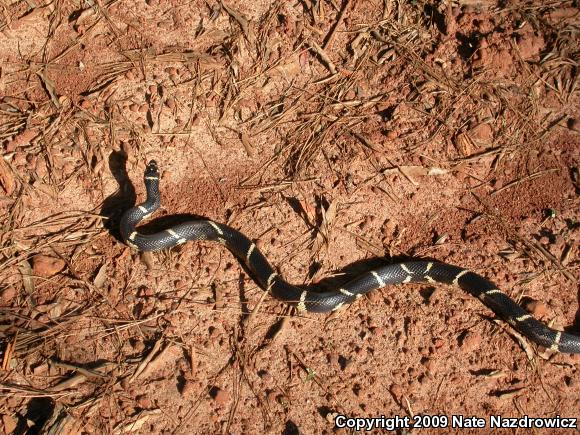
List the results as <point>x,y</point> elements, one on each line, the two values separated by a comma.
<point>43,265</point>
<point>266,376</point>
<point>470,342</point>
<point>221,397</point>
<point>397,391</point>
<point>429,364</point>
<point>272,397</point>
<point>481,132</point>
<point>7,296</point>
<point>213,332</point>
<point>19,159</point>
<point>537,308</point>
<point>170,102</point>
<point>138,346</point>
<point>144,402</point>
<point>165,25</point>
<point>10,423</point>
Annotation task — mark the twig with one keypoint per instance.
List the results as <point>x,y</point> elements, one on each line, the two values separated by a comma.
<point>80,378</point>
<point>323,57</point>
<point>330,36</point>
<point>252,315</point>
<point>87,372</point>
<point>147,360</point>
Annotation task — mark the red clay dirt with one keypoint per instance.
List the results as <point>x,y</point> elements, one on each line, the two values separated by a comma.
<point>340,135</point>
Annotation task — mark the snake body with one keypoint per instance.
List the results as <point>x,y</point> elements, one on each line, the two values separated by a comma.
<point>413,271</point>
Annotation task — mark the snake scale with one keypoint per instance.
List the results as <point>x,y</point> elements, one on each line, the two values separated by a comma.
<point>319,302</point>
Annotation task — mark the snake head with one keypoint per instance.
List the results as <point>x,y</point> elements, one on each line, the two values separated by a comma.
<point>151,170</point>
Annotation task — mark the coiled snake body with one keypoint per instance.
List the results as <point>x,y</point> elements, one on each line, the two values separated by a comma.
<point>269,280</point>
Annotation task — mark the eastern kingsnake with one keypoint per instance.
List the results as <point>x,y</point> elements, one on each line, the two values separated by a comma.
<point>268,279</point>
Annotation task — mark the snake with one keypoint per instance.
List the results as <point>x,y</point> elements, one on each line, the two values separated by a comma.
<point>413,271</point>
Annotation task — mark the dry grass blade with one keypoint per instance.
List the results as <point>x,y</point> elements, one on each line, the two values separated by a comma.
<point>7,180</point>
<point>101,276</point>
<point>330,37</point>
<point>27,276</point>
<point>323,57</point>
<point>13,121</point>
<point>240,19</point>
<point>244,137</point>
<point>61,229</point>
<point>113,72</point>
<point>137,425</point>
<point>87,372</point>
<point>61,422</point>
<point>323,233</point>
<point>554,260</point>
<point>521,180</point>
<point>142,367</point>
<point>403,49</point>
<point>49,86</point>
<point>29,392</point>
<point>8,353</point>
<point>82,376</point>
<point>368,246</point>
<point>495,374</point>
<point>510,394</point>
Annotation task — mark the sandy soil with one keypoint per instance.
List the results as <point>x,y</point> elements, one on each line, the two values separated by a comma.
<point>339,135</point>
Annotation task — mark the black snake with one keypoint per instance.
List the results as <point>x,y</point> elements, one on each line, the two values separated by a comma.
<point>268,279</point>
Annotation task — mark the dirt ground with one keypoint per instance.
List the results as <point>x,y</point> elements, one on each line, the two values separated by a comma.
<point>340,135</point>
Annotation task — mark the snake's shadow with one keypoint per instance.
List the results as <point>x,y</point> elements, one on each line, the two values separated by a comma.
<point>123,199</point>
